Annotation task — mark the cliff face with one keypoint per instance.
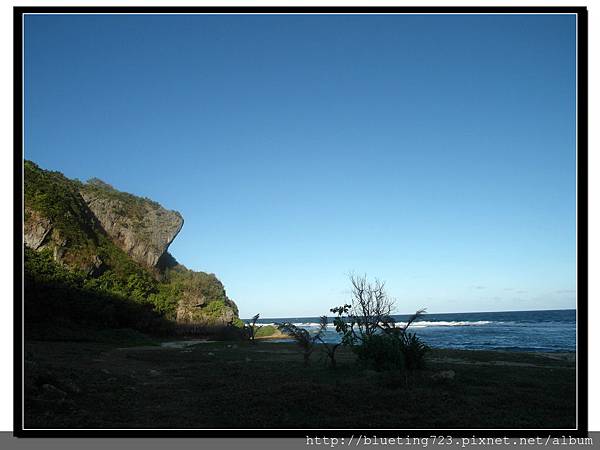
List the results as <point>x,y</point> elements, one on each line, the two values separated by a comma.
<point>57,219</point>
<point>36,228</point>
<point>119,240</point>
<point>141,228</point>
<point>203,299</point>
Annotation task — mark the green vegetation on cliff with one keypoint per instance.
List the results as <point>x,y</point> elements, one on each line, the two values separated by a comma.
<point>75,269</point>
<point>134,206</point>
<point>200,296</point>
<point>65,304</point>
<point>57,199</point>
<point>75,232</point>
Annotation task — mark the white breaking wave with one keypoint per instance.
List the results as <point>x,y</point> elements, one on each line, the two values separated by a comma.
<point>424,323</point>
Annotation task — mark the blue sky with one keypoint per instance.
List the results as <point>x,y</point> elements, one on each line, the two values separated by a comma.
<point>434,152</point>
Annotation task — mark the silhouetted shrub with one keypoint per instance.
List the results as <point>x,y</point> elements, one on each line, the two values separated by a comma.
<point>250,328</point>
<point>305,340</point>
<point>414,351</point>
<point>380,352</point>
<point>330,348</point>
<point>368,327</point>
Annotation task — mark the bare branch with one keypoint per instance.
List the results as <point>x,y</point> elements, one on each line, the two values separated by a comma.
<point>371,307</point>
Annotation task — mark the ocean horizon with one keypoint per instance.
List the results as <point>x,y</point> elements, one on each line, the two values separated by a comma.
<point>530,331</point>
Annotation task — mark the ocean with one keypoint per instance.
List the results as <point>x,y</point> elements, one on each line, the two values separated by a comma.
<point>532,331</point>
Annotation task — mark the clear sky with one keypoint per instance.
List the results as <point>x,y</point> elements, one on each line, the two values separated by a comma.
<point>434,152</point>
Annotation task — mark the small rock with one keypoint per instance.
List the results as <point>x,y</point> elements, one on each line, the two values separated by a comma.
<point>248,359</point>
<point>154,372</point>
<point>211,354</point>
<point>106,371</point>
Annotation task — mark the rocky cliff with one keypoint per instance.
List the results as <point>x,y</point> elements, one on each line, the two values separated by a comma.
<point>36,228</point>
<point>119,242</point>
<point>140,227</point>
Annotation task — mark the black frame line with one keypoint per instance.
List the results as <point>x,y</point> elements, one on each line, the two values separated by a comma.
<point>582,223</point>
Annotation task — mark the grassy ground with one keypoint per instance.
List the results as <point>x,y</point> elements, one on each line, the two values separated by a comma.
<point>240,385</point>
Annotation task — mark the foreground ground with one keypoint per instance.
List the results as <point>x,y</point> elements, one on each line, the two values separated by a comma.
<point>240,385</point>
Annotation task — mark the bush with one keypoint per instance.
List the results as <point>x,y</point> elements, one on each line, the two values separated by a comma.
<point>59,302</point>
<point>251,328</point>
<point>368,327</point>
<point>381,352</point>
<point>414,351</point>
<point>392,352</point>
<point>303,338</point>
